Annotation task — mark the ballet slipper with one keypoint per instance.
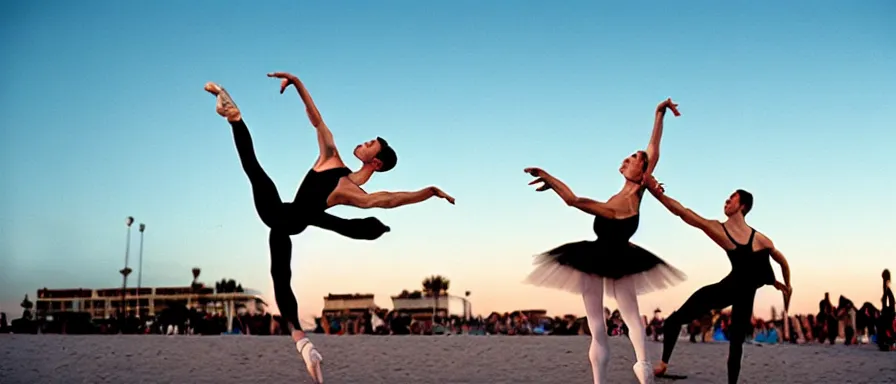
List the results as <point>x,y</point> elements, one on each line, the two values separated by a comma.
<point>644,372</point>
<point>224,105</point>
<point>312,359</point>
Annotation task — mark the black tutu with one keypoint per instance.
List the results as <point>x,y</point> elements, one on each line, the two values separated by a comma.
<point>577,267</point>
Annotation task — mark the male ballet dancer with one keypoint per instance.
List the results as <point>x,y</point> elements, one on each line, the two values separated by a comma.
<point>328,183</point>
<point>748,251</point>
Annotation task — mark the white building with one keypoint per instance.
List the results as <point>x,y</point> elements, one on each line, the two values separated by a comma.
<point>349,304</point>
<point>145,302</point>
<point>423,306</point>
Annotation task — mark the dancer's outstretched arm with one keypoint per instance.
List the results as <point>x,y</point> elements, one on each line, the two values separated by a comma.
<point>357,198</point>
<point>324,136</point>
<point>711,228</point>
<point>582,203</point>
<point>653,147</point>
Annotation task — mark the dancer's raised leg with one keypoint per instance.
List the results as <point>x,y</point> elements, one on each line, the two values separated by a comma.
<point>267,200</point>
<point>627,300</point>
<point>368,228</point>
<point>599,351</point>
<point>281,274</point>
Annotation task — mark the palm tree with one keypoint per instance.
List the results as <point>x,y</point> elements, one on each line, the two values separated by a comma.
<point>228,286</point>
<point>196,284</point>
<point>436,286</point>
<point>27,305</point>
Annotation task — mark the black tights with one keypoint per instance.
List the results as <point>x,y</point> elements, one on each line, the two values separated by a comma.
<point>715,297</point>
<point>286,219</point>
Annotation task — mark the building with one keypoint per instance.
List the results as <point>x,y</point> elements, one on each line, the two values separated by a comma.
<point>423,306</point>
<point>350,304</point>
<point>148,302</point>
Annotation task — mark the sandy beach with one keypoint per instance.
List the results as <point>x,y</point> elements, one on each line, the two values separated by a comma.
<point>414,359</point>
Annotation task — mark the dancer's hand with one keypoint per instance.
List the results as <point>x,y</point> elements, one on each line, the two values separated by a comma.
<point>535,171</point>
<point>783,287</point>
<point>543,187</point>
<point>441,194</point>
<point>539,175</point>
<point>288,79</point>
<point>786,291</point>
<point>652,184</point>
<point>668,103</point>
<point>787,295</point>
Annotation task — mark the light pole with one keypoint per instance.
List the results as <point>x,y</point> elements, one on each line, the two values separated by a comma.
<point>124,274</point>
<point>141,228</point>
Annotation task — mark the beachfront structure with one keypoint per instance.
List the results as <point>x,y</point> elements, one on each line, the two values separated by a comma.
<point>104,303</point>
<point>422,307</point>
<point>353,304</point>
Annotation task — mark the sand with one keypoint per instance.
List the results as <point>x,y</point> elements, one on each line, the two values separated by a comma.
<point>409,359</point>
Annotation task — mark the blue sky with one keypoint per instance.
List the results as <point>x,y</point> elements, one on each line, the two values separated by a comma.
<point>105,117</point>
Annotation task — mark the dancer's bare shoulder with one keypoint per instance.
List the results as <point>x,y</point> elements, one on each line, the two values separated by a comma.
<point>714,229</point>
<point>624,205</point>
<point>713,225</point>
<point>763,242</point>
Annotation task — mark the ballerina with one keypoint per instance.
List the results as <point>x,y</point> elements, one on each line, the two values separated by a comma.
<point>328,183</point>
<point>611,263</point>
<point>750,270</point>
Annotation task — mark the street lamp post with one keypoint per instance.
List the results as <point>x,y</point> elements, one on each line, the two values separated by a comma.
<point>124,274</point>
<point>141,228</point>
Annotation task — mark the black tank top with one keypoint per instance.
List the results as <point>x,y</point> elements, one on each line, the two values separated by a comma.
<point>748,266</point>
<point>317,187</point>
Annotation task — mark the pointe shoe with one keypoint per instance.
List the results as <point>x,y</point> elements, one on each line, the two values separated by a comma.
<point>644,372</point>
<point>312,359</point>
<point>224,103</point>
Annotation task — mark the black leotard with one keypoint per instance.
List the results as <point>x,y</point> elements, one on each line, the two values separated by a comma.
<point>285,219</point>
<point>750,270</point>
<point>317,186</point>
<point>749,266</point>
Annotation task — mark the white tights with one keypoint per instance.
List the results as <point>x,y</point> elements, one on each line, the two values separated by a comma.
<point>627,299</point>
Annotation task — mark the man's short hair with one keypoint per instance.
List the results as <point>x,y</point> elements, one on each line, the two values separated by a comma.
<point>746,200</point>
<point>386,155</point>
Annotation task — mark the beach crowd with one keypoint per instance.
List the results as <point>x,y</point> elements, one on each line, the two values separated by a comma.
<point>843,323</point>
